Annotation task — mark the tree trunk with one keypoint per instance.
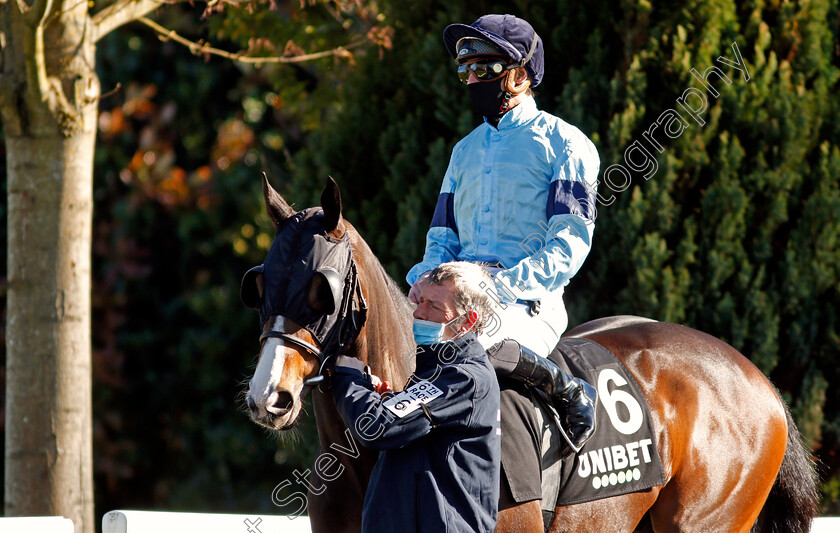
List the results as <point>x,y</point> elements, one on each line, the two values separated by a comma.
<point>48,377</point>
<point>49,109</point>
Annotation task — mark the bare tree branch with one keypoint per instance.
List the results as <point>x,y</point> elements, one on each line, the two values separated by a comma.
<point>23,7</point>
<point>122,12</point>
<point>204,48</point>
<point>36,66</point>
<point>37,13</point>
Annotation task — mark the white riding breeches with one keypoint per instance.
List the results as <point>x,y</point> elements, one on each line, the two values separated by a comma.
<point>539,333</point>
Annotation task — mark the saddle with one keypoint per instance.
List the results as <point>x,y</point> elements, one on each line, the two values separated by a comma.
<point>621,457</point>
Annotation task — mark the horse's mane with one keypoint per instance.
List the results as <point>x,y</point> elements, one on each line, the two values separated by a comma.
<point>388,341</point>
<point>398,295</point>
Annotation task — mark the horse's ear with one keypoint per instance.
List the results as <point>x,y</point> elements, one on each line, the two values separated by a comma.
<point>253,287</point>
<point>276,207</point>
<point>331,204</point>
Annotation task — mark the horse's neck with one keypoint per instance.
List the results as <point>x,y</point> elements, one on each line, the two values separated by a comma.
<point>337,506</point>
<point>386,342</point>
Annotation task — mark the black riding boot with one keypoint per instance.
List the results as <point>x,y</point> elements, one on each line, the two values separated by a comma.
<point>574,398</point>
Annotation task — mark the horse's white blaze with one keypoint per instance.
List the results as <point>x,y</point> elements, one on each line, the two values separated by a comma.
<point>269,368</point>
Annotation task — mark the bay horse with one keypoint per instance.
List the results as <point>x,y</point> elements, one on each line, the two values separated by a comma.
<point>732,457</point>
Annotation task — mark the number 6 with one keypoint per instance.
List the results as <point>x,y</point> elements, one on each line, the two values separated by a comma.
<point>610,399</point>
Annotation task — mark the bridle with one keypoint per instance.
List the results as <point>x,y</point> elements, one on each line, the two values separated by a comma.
<point>351,318</point>
<point>311,348</point>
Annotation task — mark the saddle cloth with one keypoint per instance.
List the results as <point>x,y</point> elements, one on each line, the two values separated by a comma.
<point>621,457</point>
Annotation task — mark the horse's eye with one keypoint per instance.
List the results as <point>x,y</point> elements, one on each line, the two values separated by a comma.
<point>320,296</point>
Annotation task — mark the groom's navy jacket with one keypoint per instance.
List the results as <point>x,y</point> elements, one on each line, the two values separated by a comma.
<point>438,469</point>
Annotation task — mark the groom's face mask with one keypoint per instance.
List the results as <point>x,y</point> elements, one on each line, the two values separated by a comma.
<point>427,332</point>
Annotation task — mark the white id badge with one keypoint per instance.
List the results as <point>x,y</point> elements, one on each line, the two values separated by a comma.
<point>410,399</point>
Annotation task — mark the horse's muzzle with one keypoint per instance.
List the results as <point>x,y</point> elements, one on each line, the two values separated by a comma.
<point>277,407</point>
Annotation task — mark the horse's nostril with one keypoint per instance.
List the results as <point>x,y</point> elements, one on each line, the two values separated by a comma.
<point>284,400</point>
<point>282,403</point>
<point>252,405</point>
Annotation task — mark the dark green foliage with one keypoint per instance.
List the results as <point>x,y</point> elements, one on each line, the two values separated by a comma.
<point>3,271</point>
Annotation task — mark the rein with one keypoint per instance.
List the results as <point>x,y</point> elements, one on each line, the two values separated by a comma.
<point>351,319</point>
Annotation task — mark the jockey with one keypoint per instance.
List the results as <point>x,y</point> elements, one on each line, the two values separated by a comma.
<point>519,198</point>
<point>438,469</point>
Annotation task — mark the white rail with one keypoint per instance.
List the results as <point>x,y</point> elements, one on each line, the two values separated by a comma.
<point>36,524</point>
<point>165,522</point>
<point>827,524</point>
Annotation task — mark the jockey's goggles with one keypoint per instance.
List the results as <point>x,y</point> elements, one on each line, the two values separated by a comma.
<point>484,71</point>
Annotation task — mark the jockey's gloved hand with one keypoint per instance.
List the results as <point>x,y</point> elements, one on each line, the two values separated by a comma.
<point>506,289</point>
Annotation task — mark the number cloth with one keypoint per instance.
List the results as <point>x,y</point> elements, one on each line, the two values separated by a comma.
<point>438,467</point>
<point>621,456</point>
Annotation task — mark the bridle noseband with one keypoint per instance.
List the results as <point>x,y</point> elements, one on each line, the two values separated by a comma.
<point>314,350</point>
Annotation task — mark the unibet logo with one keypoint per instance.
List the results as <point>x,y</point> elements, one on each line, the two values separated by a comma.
<point>601,464</point>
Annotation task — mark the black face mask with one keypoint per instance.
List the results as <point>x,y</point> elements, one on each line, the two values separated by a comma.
<point>489,99</point>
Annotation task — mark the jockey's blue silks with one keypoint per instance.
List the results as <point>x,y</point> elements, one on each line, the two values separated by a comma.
<point>301,250</point>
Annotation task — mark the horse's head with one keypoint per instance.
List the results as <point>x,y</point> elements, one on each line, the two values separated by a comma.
<point>310,304</point>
